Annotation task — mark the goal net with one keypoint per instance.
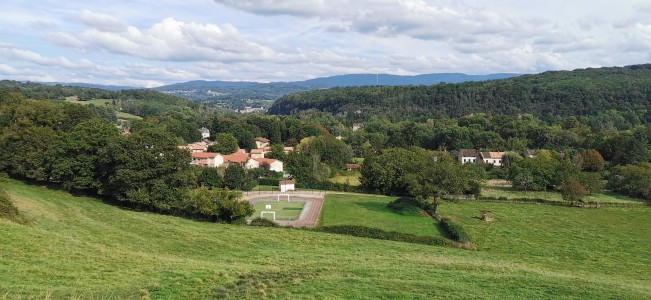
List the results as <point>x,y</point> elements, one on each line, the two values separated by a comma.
<point>284,196</point>
<point>272,213</point>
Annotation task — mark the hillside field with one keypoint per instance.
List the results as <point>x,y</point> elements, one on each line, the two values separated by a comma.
<point>79,247</point>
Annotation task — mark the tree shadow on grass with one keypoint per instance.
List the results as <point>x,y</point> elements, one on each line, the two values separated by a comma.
<point>373,206</point>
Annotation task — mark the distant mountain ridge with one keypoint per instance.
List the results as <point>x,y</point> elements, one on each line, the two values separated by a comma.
<point>240,94</point>
<point>113,88</point>
<point>388,79</point>
<point>349,80</point>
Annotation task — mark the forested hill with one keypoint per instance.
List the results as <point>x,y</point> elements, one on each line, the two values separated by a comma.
<point>578,92</point>
<point>139,102</point>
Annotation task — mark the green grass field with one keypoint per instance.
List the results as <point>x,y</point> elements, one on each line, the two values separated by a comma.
<point>372,211</point>
<point>103,102</point>
<point>284,210</point>
<point>502,188</point>
<point>81,248</point>
<point>347,177</point>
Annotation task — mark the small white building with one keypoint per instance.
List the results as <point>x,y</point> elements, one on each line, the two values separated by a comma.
<point>205,133</point>
<point>468,156</point>
<point>287,186</point>
<point>494,158</point>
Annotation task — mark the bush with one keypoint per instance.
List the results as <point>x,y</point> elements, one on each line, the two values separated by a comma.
<point>455,230</point>
<point>374,233</point>
<point>262,222</point>
<point>502,198</point>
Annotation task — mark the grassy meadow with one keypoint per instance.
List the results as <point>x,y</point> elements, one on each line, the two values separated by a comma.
<point>104,102</point>
<point>81,248</point>
<point>503,188</point>
<point>347,177</point>
<point>372,211</point>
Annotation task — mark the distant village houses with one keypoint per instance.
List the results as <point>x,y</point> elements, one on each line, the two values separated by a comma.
<point>472,156</point>
<point>255,159</point>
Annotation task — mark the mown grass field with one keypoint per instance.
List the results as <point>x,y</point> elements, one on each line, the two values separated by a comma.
<point>78,247</point>
<point>284,210</point>
<point>502,188</point>
<point>372,211</point>
<point>347,177</point>
<point>103,102</point>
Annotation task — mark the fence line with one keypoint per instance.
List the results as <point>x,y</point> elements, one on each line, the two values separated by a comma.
<point>559,203</point>
<point>301,191</point>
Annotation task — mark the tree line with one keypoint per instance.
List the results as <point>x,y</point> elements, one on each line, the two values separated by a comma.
<point>563,93</point>
<point>41,142</point>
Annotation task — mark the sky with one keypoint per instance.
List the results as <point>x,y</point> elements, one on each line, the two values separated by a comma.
<point>148,43</point>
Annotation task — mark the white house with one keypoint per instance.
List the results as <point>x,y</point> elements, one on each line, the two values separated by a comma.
<point>272,164</point>
<point>494,158</point>
<point>261,142</point>
<point>207,159</point>
<point>468,156</point>
<point>286,185</point>
<point>205,133</point>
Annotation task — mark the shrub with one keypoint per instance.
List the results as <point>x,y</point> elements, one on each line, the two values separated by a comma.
<point>262,222</point>
<point>502,198</point>
<point>374,233</point>
<point>455,230</point>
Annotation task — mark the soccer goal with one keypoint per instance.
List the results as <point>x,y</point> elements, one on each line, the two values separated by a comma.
<point>272,213</point>
<point>284,195</point>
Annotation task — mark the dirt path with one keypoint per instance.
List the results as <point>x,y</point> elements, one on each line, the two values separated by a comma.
<point>310,214</point>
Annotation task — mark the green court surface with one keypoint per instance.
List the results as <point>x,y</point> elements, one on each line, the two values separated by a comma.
<point>284,210</point>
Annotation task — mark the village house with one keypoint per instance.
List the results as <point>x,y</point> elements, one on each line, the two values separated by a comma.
<point>257,153</point>
<point>261,142</point>
<point>357,126</point>
<point>288,149</point>
<point>240,157</point>
<point>267,163</point>
<point>353,167</point>
<point>494,158</point>
<point>196,147</point>
<point>530,153</point>
<point>207,159</point>
<point>468,156</point>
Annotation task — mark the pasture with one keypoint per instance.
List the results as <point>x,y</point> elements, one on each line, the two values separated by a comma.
<point>79,247</point>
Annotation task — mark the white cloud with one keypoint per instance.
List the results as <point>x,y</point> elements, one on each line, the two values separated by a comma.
<point>170,40</point>
<point>33,57</point>
<point>7,70</point>
<point>100,21</point>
